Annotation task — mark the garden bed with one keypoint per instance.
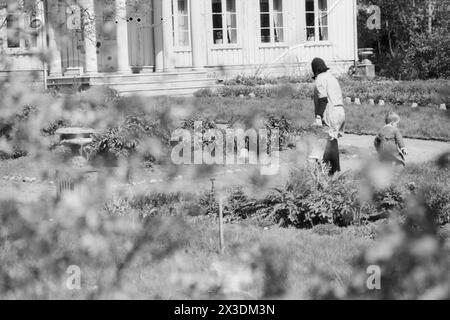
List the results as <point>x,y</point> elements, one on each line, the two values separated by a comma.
<point>424,93</point>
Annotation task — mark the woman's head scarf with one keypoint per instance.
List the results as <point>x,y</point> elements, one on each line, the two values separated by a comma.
<point>318,66</point>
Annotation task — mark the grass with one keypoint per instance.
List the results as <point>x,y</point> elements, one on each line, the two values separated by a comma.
<point>147,280</point>
<point>421,123</point>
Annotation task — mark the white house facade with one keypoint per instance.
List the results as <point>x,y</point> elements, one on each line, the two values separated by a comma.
<point>188,42</point>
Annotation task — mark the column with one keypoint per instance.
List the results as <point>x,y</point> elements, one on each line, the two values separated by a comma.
<point>198,34</point>
<point>90,37</point>
<point>55,64</point>
<point>167,34</point>
<point>123,60</point>
<point>158,35</point>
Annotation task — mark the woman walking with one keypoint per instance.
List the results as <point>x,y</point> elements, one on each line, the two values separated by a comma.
<point>329,109</point>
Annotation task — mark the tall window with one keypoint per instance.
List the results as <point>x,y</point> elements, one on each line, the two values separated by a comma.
<point>224,18</point>
<point>272,26</point>
<point>316,20</point>
<point>181,27</point>
<point>13,30</point>
<point>22,24</point>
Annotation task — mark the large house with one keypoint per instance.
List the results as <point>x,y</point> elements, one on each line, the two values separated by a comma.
<point>173,46</point>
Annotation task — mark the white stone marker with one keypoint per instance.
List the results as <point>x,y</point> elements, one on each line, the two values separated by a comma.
<point>381,103</point>
<point>357,101</point>
<point>371,102</point>
<point>443,107</point>
<point>348,100</point>
<point>414,105</point>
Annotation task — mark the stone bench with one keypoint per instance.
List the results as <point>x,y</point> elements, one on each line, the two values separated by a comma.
<point>75,138</point>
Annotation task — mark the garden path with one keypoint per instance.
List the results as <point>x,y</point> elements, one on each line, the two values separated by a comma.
<point>354,150</point>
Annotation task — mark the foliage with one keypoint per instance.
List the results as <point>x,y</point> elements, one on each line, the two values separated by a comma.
<point>411,43</point>
<point>396,93</point>
<point>125,139</point>
<point>411,256</point>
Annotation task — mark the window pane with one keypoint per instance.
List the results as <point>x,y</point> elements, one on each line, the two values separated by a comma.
<point>218,36</point>
<point>309,5</point>
<point>278,5</point>
<point>278,20</point>
<point>217,21</point>
<point>231,21</point>
<point>323,19</point>
<point>265,35</point>
<point>264,5</point>
<point>310,17</point>
<point>182,7</point>
<point>13,36</point>
<point>323,5</point>
<point>183,38</point>
<point>232,35</point>
<point>310,34</point>
<point>183,23</point>
<point>217,6</point>
<point>265,20</point>
<point>279,35</point>
<point>323,33</point>
<point>231,5</point>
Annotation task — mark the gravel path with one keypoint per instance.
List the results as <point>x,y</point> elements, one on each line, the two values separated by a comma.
<point>354,149</point>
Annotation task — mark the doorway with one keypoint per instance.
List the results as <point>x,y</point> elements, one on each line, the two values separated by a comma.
<point>106,35</point>
<point>140,35</point>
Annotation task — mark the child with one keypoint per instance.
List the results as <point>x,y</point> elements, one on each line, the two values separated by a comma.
<point>389,141</point>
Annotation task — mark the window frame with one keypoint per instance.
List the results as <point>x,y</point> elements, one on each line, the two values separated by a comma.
<point>272,27</point>
<point>25,33</point>
<point>175,25</point>
<point>224,28</point>
<point>317,15</point>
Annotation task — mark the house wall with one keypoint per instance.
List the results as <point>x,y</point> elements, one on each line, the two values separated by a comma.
<point>249,55</point>
<point>21,60</point>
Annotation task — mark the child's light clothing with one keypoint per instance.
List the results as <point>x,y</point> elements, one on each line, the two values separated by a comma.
<point>389,144</point>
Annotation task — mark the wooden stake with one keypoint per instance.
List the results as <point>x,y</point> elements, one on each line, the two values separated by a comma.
<point>221,226</point>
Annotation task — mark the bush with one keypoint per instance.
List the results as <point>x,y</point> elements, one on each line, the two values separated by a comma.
<point>428,56</point>
<point>397,93</point>
<point>313,198</point>
<point>11,130</point>
<point>411,256</point>
<point>125,139</point>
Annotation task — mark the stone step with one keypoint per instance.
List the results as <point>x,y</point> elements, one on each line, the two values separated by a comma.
<point>157,76</point>
<point>169,91</point>
<point>165,84</point>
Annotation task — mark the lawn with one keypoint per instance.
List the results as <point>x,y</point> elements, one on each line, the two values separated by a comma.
<point>303,251</point>
<point>40,237</point>
<point>422,123</point>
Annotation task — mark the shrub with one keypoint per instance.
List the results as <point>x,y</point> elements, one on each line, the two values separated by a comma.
<point>125,139</point>
<point>205,93</point>
<point>411,256</point>
<point>311,198</point>
<point>428,56</point>
<point>425,93</point>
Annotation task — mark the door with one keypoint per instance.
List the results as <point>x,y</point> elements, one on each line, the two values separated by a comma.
<point>140,34</point>
<point>106,35</point>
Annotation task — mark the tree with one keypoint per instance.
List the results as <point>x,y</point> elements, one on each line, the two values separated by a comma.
<point>404,22</point>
